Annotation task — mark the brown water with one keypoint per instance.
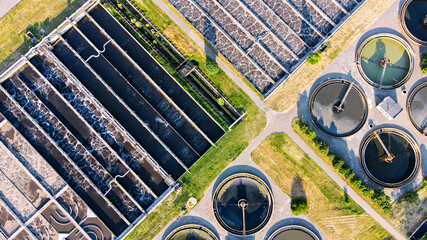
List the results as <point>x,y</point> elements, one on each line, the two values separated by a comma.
<point>293,234</point>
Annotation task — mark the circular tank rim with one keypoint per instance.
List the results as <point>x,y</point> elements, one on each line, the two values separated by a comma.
<point>358,90</point>
<point>270,209</point>
<point>394,38</point>
<point>408,106</point>
<point>191,226</point>
<point>290,227</point>
<point>405,28</point>
<point>407,137</point>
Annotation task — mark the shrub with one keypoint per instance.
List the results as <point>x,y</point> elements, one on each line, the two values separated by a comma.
<point>220,101</point>
<point>303,126</point>
<point>424,63</point>
<point>338,163</point>
<point>331,156</point>
<point>299,205</point>
<point>138,24</point>
<point>356,182</point>
<point>212,67</point>
<point>314,58</point>
<point>318,143</point>
<point>120,6</point>
<point>310,134</point>
<point>349,175</point>
<point>411,196</point>
<point>368,191</point>
<point>344,169</point>
<point>324,149</point>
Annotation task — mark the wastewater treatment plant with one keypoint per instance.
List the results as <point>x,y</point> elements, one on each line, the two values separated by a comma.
<point>91,140</point>
<point>118,120</point>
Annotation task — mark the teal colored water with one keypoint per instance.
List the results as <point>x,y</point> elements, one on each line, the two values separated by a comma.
<point>402,165</point>
<point>385,49</point>
<point>415,14</point>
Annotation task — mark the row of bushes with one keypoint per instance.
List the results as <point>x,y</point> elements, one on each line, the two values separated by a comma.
<point>377,196</point>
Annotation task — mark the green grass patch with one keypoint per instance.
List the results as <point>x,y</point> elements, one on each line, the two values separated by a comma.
<point>314,58</point>
<point>39,16</point>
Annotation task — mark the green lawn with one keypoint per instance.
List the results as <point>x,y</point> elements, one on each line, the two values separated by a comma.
<point>39,16</point>
<point>337,215</point>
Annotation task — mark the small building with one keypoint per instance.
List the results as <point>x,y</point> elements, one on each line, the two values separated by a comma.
<point>389,108</point>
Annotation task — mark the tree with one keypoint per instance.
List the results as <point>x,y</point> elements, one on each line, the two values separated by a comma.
<point>324,149</point>
<point>212,67</point>
<point>220,101</point>
<point>424,63</point>
<point>411,196</point>
<point>303,126</point>
<point>138,24</point>
<point>338,163</point>
<point>311,134</point>
<point>314,58</point>
<point>299,205</point>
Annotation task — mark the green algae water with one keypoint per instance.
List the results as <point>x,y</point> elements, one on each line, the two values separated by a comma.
<point>385,62</point>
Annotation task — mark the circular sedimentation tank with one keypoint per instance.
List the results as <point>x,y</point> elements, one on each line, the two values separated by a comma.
<point>338,107</point>
<point>293,232</point>
<point>417,107</point>
<point>243,204</point>
<point>191,232</point>
<point>413,19</point>
<point>385,61</point>
<point>390,157</point>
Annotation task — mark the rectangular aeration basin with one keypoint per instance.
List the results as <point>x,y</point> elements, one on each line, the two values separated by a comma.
<point>93,133</point>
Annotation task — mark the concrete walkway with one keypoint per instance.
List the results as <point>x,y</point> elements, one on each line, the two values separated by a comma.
<point>276,122</point>
<point>6,5</point>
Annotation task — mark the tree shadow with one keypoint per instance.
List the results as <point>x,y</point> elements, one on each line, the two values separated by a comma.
<point>39,29</point>
<point>209,34</point>
<point>297,190</point>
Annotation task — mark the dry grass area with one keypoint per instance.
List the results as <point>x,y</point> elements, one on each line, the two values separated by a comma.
<point>337,215</point>
<point>41,16</point>
<point>287,95</point>
<point>407,216</point>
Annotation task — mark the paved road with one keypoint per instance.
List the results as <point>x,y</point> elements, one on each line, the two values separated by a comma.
<point>6,5</point>
<point>278,122</point>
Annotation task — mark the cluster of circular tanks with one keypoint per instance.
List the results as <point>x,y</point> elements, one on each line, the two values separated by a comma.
<point>388,156</point>
<point>242,205</point>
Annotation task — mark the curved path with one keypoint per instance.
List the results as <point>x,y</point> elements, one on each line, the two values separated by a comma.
<point>277,122</point>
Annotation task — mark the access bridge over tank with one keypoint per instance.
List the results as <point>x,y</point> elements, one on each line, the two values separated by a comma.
<point>94,133</point>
